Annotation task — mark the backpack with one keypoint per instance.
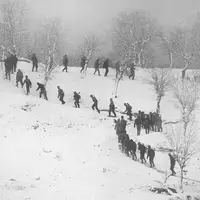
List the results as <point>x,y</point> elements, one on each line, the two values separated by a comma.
<point>78,96</point>
<point>129,106</point>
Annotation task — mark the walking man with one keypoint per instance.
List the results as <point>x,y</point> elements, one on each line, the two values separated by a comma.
<point>19,77</point>
<point>96,66</point>
<point>35,62</point>
<point>95,103</point>
<point>65,63</point>
<point>61,95</point>
<point>28,84</point>
<point>42,90</point>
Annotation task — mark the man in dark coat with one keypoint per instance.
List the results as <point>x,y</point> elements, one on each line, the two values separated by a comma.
<point>96,66</point>
<point>111,108</point>
<point>133,148</point>
<point>77,98</point>
<point>95,103</point>
<point>117,126</point>
<point>172,163</point>
<point>106,65</point>
<point>65,63</point>
<point>19,77</point>
<point>14,60</point>
<point>151,156</point>
<point>42,89</point>
<point>138,124</point>
<point>128,110</point>
<point>61,95</point>
<point>142,150</point>
<point>122,125</point>
<point>146,125</point>
<point>126,146</point>
<point>132,71</point>
<point>83,61</point>
<point>28,84</point>
<point>35,62</point>
<point>8,66</point>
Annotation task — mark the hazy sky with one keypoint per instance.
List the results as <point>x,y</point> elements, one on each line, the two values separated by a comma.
<point>83,16</point>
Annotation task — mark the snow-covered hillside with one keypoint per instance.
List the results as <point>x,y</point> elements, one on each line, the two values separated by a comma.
<point>52,151</point>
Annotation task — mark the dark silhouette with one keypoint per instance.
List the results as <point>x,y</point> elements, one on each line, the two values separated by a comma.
<point>61,95</point>
<point>151,156</point>
<point>172,163</point>
<point>35,62</point>
<point>132,71</point>
<point>42,89</point>
<point>19,77</point>
<point>111,108</point>
<point>65,63</point>
<point>106,65</point>
<point>95,103</point>
<point>28,84</point>
<point>77,98</point>
<point>96,66</point>
<point>83,61</point>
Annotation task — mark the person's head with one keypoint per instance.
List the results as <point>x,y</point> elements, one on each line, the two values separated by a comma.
<point>38,83</point>
<point>58,87</point>
<point>149,147</point>
<point>122,117</point>
<point>91,95</point>
<point>18,70</point>
<point>26,76</point>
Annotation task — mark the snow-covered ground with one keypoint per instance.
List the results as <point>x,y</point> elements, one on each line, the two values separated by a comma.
<point>50,151</point>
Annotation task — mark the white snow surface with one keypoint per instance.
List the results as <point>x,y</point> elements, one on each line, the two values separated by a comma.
<point>52,151</point>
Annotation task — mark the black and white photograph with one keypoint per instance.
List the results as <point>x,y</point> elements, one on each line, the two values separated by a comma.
<point>99,99</point>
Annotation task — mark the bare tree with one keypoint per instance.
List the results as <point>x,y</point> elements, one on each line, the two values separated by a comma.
<point>161,81</point>
<point>186,95</point>
<point>183,136</point>
<point>13,25</point>
<point>123,67</point>
<point>90,46</point>
<point>185,44</point>
<point>183,142</point>
<point>165,44</point>
<point>51,39</point>
<point>133,32</point>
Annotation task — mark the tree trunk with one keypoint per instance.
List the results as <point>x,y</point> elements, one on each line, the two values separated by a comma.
<point>170,60</point>
<point>139,59</point>
<point>185,68</point>
<point>158,104</point>
<point>2,65</point>
<point>117,80</point>
<point>181,178</point>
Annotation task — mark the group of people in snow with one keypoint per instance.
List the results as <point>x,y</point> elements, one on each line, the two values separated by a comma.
<point>97,65</point>
<point>150,122</point>
<point>130,147</point>
<point>10,65</point>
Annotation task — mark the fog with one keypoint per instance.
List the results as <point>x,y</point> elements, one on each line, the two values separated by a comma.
<point>83,17</point>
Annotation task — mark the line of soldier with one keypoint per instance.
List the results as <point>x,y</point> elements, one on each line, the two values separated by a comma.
<point>97,65</point>
<point>129,147</point>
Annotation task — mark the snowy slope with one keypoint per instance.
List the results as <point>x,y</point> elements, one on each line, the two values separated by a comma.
<point>49,151</point>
